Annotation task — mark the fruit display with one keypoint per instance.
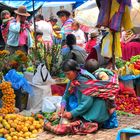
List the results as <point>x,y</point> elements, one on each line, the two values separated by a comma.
<point>51,117</point>
<point>131,67</point>
<point>8,98</point>
<point>18,127</point>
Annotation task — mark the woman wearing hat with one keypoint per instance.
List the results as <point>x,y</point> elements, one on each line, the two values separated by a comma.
<point>64,16</point>
<point>19,37</point>
<point>92,42</point>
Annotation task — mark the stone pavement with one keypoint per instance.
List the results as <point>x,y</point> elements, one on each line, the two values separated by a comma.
<point>105,134</point>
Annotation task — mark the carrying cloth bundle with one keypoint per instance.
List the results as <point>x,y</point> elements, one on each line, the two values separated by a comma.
<point>75,127</point>
<point>98,88</point>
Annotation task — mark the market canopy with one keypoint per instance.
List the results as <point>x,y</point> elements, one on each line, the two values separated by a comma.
<point>37,3</point>
<point>83,13</point>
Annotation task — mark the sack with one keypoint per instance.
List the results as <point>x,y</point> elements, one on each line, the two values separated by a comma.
<point>75,127</point>
<point>42,75</point>
<point>51,104</point>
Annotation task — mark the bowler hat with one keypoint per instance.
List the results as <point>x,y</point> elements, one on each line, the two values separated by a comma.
<point>63,13</point>
<point>94,34</point>
<point>22,11</point>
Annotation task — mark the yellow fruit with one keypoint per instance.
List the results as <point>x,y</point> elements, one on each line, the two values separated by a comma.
<point>31,119</point>
<point>26,134</point>
<point>9,138</point>
<point>5,131</point>
<point>1,130</point>
<point>34,131</point>
<point>18,128</point>
<point>7,126</point>
<point>15,138</point>
<point>5,136</point>
<point>1,118</point>
<point>12,129</point>
<point>1,126</point>
<point>13,133</point>
<point>13,125</point>
<point>40,130</point>
<point>33,136</point>
<point>32,128</point>
<point>25,129</point>
<point>20,138</point>
<point>1,135</point>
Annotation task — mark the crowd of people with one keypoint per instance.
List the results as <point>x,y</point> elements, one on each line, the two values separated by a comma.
<point>78,54</point>
<point>18,34</point>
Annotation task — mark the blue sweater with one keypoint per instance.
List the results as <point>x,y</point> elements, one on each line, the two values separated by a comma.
<point>13,35</point>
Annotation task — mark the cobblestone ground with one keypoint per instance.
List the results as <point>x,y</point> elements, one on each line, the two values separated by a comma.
<point>105,134</point>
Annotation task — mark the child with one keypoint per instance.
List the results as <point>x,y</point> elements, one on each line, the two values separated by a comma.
<point>56,31</point>
<point>101,74</point>
<point>6,18</point>
<point>79,34</point>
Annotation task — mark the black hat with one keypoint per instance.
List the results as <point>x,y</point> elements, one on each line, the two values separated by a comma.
<point>63,13</point>
<point>53,19</point>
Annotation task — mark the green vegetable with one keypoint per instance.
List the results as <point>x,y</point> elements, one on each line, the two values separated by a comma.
<point>134,58</point>
<point>119,113</point>
<point>120,63</point>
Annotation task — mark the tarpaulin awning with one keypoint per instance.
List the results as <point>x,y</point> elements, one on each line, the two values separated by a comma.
<point>38,3</point>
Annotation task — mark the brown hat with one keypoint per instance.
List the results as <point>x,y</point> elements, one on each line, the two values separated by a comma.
<point>63,13</point>
<point>94,34</point>
<point>22,11</point>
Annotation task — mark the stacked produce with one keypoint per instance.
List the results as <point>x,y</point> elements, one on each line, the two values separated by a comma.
<point>18,127</point>
<point>127,101</point>
<point>8,98</point>
<point>131,67</point>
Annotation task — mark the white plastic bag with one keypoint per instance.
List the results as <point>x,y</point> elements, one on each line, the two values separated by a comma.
<point>42,75</point>
<point>51,104</point>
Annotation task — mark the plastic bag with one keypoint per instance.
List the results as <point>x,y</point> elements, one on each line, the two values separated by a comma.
<point>42,75</point>
<point>51,104</point>
<point>18,81</point>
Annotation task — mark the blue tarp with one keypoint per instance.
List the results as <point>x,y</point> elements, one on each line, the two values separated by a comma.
<point>127,130</point>
<point>37,3</point>
<point>129,77</point>
<point>28,4</point>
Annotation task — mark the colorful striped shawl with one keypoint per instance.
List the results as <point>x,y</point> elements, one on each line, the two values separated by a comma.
<point>99,88</point>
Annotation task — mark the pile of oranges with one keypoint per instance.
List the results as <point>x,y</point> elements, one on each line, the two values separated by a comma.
<point>8,98</point>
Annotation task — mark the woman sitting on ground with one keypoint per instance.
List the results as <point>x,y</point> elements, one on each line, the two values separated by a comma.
<point>72,51</point>
<point>75,104</point>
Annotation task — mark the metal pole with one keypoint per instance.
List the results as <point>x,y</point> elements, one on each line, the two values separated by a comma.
<point>113,51</point>
<point>34,29</point>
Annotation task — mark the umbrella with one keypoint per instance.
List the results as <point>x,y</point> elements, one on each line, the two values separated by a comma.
<point>135,13</point>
